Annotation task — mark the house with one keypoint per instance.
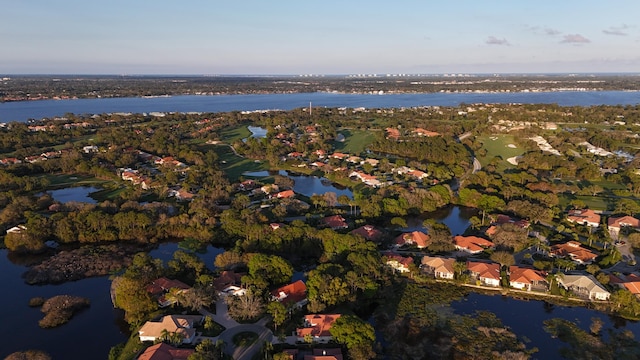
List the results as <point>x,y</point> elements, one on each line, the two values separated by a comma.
<point>159,287</point>
<point>17,229</point>
<point>339,156</point>
<point>90,149</point>
<point>573,250</point>
<point>276,226</point>
<point>10,161</point>
<point>506,219</point>
<point>247,185</point>
<point>397,262</point>
<point>485,272</point>
<point>372,162</point>
<point>392,134</point>
<point>181,194</point>
<point>630,282</point>
<point>617,223</point>
<point>229,283</point>
<point>181,324</point>
<point>526,278</point>
<point>584,286</point>
<point>368,232</point>
<point>414,238</point>
<point>294,294</point>
<point>162,351</point>
<point>366,178</point>
<point>325,354</point>
<point>441,268</point>
<point>586,217</point>
<point>285,194</point>
<point>423,132</point>
<point>471,244</point>
<point>335,222</point>
<point>318,327</point>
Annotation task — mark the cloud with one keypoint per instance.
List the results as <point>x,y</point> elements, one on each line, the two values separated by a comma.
<point>492,40</point>
<point>616,30</point>
<point>551,32</point>
<point>574,39</point>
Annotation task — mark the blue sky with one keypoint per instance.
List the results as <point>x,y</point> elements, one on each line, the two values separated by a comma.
<point>318,37</point>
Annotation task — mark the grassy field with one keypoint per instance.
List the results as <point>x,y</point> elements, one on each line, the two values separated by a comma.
<point>231,135</point>
<point>355,141</point>
<point>234,166</point>
<point>497,145</point>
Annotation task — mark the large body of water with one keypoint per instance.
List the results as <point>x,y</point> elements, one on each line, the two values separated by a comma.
<point>25,110</point>
<point>94,331</point>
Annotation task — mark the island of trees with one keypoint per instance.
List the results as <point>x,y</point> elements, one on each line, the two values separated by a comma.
<point>547,187</point>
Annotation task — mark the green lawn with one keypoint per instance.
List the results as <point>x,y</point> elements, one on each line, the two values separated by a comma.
<point>233,134</point>
<point>498,145</point>
<point>355,142</point>
<point>234,166</point>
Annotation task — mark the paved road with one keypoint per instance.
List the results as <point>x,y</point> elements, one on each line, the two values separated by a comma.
<point>476,165</point>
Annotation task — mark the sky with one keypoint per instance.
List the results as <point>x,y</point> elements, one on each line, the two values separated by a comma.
<point>273,37</point>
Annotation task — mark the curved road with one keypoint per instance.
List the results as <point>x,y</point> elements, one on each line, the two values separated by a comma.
<point>245,352</point>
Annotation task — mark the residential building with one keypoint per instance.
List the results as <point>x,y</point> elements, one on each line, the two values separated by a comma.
<point>471,244</point>
<point>325,354</point>
<point>414,238</point>
<point>586,217</point>
<point>397,262</point>
<point>485,272</point>
<point>630,282</point>
<point>368,232</point>
<point>294,294</point>
<point>229,283</point>
<point>181,324</point>
<point>318,327</point>
<point>441,268</point>
<point>285,194</point>
<point>369,180</point>
<point>617,223</point>
<point>164,351</point>
<point>160,287</point>
<point>573,250</point>
<point>526,278</point>
<point>423,132</point>
<point>335,222</point>
<point>585,286</point>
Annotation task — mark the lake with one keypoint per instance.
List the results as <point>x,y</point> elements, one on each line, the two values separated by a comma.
<point>91,333</point>
<point>24,110</point>
<point>306,185</point>
<point>77,194</point>
<point>455,217</point>
<point>525,318</point>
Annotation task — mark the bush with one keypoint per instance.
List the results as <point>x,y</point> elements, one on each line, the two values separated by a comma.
<point>36,301</point>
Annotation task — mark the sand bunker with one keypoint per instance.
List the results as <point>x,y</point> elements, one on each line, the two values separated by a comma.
<point>513,160</point>
<point>512,146</point>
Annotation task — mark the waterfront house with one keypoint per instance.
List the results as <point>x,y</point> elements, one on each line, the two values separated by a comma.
<point>414,238</point>
<point>441,268</point>
<point>397,262</point>
<point>229,283</point>
<point>485,272</point>
<point>524,278</point>
<point>294,294</point>
<point>181,324</point>
<point>318,327</point>
<point>630,282</point>
<point>160,287</point>
<point>285,194</point>
<point>164,351</point>
<point>471,244</point>
<point>585,286</point>
<point>369,180</point>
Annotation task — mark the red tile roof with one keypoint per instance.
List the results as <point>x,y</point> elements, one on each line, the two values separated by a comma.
<point>525,275</point>
<point>418,238</point>
<point>318,325</point>
<point>335,222</point>
<point>584,216</point>
<point>292,293</point>
<point>472,243</point>
<point>574,250</point>
<point>163,284</point>
<point>164,351</point>
<point>369,232</point>
<point>618,222</point>
<point>484,270</point>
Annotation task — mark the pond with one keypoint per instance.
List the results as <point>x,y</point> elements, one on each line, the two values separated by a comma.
<point>525,318</point>
<point>257,132</point>
<point>165,252</point>
<point>455,217</point>
<point>76,194</point>
<point>307,185</point>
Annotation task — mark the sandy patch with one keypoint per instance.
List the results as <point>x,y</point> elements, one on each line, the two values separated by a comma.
<point>512,146</point>
<point>513,160</point>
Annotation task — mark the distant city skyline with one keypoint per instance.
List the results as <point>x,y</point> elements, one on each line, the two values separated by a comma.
<point>289,37</point>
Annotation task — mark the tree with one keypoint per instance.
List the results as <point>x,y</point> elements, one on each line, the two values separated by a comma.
<point>247,307</point>
<point>503,258</point>
<point>278,313</point>
<point>489,203</point>
<point>132,297</point>
<point>351,331</point>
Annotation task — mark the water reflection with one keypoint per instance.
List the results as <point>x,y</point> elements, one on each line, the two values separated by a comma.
<point>307,185</point>
<point>455,217</point>
<point>77,194</point>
